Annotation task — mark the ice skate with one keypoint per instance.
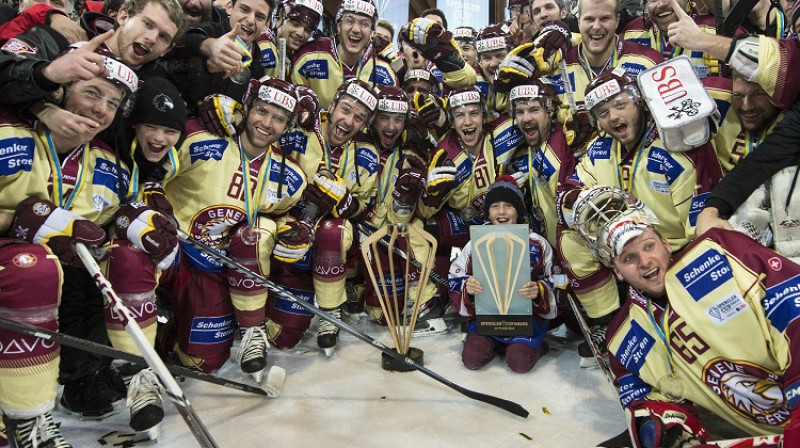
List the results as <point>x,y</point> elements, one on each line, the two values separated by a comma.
<point>598,336</point>
<point>93,396</point>
<point>145,404</point>
<point>41,432</point>
<point>252,356</point>
<point>329,333</point>
<point>432,320</point>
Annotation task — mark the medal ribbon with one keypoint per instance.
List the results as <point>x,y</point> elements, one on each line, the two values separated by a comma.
<point>56,174</point>
<point>329,163</point>
<point>251,204</point>
<point>133,188</point>
<point>532,174</point>
<point>384,180</point>
<point>663,333</point>
<point>637,158</point>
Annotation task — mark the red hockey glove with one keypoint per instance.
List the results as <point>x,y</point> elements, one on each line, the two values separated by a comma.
<point>441,175</point>
<point>551,46</point>
<point>430,108</point>
<point>389,52</point>
<point>149,231</point>
<point>662,424</point>
<point>39,221</point>
<point>154,196</point>
<point>410,180</point>
<point>578,130</point>
<point>294,238</point>
<point>518,67</point>
<point>434,42</point>
<point>307,106</point>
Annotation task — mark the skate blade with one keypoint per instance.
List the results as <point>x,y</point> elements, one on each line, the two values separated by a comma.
<point>329,351</point>
<point>257,375</point>
<point>589,363</point>
<point>276,378</point>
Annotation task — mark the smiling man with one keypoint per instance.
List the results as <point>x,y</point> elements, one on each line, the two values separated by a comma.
<point>296,19</point>
<point>693,332</point>
<point>325,64</point>
<point>630,156</point>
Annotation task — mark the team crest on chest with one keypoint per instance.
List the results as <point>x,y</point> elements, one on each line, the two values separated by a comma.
<point>25,260</point>
<point>748,389</point>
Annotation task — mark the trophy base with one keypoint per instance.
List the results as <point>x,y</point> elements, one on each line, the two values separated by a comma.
<point>397,365</point>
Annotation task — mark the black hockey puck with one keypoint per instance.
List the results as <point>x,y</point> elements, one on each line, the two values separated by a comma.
<point>397,365</point>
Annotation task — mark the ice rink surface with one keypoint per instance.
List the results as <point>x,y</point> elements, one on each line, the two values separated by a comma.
<point>349,401</point>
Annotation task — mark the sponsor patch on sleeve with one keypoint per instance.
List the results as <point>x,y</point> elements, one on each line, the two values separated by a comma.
<point>698,202</point>
<point>726,308</point>
<point>632,388</point>
<point>207,150</point>
<point>782,303</point>
<point>632,351</point>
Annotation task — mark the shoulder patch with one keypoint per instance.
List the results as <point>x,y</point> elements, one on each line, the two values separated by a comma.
<point>705,273</point>
<point>16,154</point>
<point>315,69</point>
<point>207,150</point>
<point>17,46</point>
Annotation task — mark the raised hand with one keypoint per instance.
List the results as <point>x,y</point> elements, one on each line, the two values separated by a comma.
<point>684,32</point>
<point>79,64</point>
<point>224,54</point>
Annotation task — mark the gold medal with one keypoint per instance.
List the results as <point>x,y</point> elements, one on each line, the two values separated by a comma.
<point>249,235</point>
<point>538,213</point>
<point>671,388</point>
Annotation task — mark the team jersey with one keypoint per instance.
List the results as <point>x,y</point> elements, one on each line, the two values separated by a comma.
<point>23,169</point>
<point>475,174</point>
<point>634,58</point>
<point>383,211</point>
<point>673,184</point>
<point>547,167</point>
<point>646,33</point>
<point>731,328</point>
<point>317,66</point>
<point>213,192</point>
<point>355,161</point>
<point>497,102</point>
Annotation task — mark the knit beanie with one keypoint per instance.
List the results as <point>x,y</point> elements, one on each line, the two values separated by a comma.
<point>159,102</point>
<point>505,189</point>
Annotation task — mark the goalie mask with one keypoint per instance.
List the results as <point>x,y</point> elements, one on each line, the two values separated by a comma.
<point>607,217</point>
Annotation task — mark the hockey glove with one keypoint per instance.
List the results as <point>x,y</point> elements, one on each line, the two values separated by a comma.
<point>410,180</point>
<point>441,175</point>
<point>39,221</point>
<point>333,188</point>
<point>149,231</point>
<point>662,424</point>
<point>551,46</point>
<point>431,109</point>
<point>517,67</point>
<point>154,196</point>
<point>220,114</point>
<point>307,107</point>
<point>294,238</point>
<point>416,134</point>
<point>389,52</point>
<point>434,42</point>
<point>578,130</point>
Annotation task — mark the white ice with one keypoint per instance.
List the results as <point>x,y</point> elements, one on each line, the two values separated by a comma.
<point>349,401</point>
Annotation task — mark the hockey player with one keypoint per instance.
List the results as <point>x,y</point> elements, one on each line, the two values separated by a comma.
<point>296,19</point>
<point>599,48</point>
<point>699,327</point>
<point>325,64</point>
<point>28,248</point>
<point>342,163</point>
<point>544,162</point>
<point>235,192</point>
<point>521,27</point>
<point>465,37</point>
<point>465,162</point>
<point>632,157</point>
<point>505,205</point>
<point>492,46</point>
<point>402,139</point>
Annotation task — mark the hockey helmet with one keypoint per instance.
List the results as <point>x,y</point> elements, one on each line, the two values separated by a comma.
<point>118,73</point>
<point>607,86</point>
<point>273,91</point>
<point>607,217</point>
<point>308,12</point>
<point>492,37</point>
<point>362,92</point>
<point>465,34</point>
<point>393,100</point>
<point>362,7</point>
<point>532,89</point>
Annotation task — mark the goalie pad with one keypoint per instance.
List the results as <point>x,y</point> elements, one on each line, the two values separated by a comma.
<point>753,218</point>
<point>684,112</point>
<point>786,214</point>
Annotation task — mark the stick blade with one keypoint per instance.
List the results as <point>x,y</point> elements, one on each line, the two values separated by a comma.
<point>274,382</point>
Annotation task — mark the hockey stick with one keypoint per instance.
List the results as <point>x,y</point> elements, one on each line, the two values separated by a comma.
<point>587,334</point>
<point>110,352</point>
<point>174,391</point>
<point>282,58</point>
<point>567,85</point>
<point>506,405</point>
<point>361,227</point>
<point>772,441</point>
